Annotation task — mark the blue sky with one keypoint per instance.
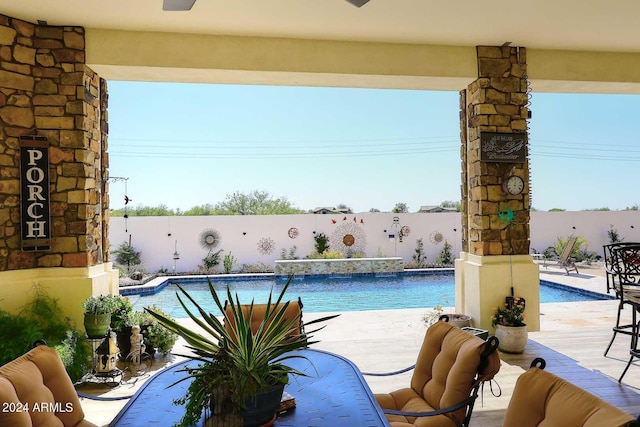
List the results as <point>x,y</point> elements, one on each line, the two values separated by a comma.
<point>183,145</point>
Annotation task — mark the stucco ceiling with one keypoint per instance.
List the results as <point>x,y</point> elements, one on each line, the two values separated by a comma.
<point>595,25</point>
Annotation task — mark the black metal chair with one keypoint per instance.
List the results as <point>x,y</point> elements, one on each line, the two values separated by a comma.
<point>628,258</point>
<point>610,267</point>
<point>624,280</point>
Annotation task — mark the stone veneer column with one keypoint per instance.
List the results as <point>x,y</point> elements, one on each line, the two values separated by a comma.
<point>495,251</point>
<point>46,89</point>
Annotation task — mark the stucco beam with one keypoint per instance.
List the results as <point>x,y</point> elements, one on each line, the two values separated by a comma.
<point>197,58</point>
<point>583,72</point>
<point>148,56</point>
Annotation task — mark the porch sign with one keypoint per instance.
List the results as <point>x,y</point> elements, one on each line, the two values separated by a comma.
<point>35,218</point>
<point>503,147</point>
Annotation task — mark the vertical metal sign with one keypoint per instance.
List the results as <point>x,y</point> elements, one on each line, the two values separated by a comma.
<point>35,217</point>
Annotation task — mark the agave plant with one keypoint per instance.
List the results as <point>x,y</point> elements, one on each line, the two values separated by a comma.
<point>234,360</point>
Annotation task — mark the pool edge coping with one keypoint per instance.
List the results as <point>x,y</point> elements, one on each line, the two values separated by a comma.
<point>156,284</point>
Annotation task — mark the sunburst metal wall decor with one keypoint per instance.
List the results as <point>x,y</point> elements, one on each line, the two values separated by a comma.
<point>348,237</point>
<point>209,239</point>
<point>266,245</point>
<point>436,237</point>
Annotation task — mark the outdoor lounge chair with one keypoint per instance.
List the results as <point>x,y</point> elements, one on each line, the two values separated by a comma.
<point>451,366</point>
<point>565,260</point>
<point>542,398</point>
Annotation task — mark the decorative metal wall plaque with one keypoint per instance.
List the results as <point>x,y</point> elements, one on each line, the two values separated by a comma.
<point>35,217</point>
<point>503,147</point>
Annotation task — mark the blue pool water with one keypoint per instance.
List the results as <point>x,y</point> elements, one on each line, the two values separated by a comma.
<point>355,293</point>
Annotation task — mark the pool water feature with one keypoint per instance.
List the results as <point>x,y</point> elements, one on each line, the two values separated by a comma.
<point>322,294</point>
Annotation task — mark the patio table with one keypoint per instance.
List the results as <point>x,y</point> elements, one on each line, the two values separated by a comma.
<point>334,394</point>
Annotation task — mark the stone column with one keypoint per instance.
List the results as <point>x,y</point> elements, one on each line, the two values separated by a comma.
<point>47,90</point>
<point>495,223</point>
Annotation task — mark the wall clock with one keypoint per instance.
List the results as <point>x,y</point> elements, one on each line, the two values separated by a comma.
<point>513,185</point>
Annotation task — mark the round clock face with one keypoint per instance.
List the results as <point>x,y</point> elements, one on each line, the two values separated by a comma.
<point>514,185</point>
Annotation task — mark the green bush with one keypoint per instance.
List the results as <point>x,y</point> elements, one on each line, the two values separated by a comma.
<point>211,261</point>
<point>419,258</point>
<point>42,319</point>
<point>326,255</point>
<point>322,242</point>
<point>125,254</point>
<point>228,262</point>
<point>445,257</point>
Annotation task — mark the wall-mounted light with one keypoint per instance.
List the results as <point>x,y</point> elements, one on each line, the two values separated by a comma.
<point>244,233</point>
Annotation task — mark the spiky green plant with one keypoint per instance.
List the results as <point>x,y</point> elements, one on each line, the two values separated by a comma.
<point>250,361</point>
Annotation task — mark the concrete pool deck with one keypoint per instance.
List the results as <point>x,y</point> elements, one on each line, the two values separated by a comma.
<point>572,338</point>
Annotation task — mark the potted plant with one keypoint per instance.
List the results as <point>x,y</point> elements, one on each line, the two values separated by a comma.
<point>237,367</point>
<point>121,322</point>
<point>510,327</point>
<point>121,312</point>
<point>97,315</point>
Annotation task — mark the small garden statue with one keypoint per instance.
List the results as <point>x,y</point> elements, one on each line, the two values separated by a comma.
<point>137,345</point>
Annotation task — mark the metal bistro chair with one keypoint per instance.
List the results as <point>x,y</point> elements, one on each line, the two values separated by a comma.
<point>629,255</point>
<point>625,284</point>
<point>611,267</point>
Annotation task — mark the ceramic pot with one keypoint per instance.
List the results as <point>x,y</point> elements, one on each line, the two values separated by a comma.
<point>260,411</point>
<point>513,339</point>
<point>123,338</point>
<point>97,325</point>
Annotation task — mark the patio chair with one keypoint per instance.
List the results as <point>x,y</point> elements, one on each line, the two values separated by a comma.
<point>629,290</point>
<point>625,283</point>
<point>35,389</point>
<point>451,366</point>
<point>565,260</point>
<point>293,311</point>
<point>611,264</point>
<point>542,398</point>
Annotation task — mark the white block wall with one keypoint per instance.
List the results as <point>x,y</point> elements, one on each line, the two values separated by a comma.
<point>156,237</point>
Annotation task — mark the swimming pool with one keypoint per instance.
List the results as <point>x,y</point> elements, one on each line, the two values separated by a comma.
<point>356,293</point>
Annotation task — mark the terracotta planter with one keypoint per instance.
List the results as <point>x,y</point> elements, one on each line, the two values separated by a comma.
<point>97,325</point>
<point>513,339</point>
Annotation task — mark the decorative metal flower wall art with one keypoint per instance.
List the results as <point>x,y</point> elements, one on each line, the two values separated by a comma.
<point>266,245</point>
<point>348,237</point>
<point>209,239</point>
<point>435,237</point>
<point>293,233</point>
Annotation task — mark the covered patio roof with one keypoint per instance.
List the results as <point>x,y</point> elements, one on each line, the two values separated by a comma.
<point>574,46</point>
